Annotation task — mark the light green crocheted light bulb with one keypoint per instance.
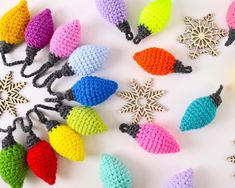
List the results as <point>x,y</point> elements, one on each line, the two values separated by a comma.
<point>153,18</point>
<point>85,121</point>
<point>13,166</point>
<point>113,173</point>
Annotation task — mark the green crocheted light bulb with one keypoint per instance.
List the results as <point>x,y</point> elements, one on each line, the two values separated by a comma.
<point>153,18</point>
<point>156,15</point>
<point>85,121</point>
<point>13,166</point>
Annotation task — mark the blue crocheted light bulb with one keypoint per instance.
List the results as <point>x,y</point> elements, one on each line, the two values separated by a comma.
<point>87,59</point>
<point>113,173</point>
<point>92,90</point>
<point>201,112</point>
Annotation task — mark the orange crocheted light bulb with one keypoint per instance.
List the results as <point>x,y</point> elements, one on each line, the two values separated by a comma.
<point>158,61</point>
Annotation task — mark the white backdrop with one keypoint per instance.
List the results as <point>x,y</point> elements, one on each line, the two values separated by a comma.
<point>204,150</point>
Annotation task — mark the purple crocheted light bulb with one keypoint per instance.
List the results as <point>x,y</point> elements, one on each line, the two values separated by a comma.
<point>182,180</point>
<point>115,12</point>
<point>39,30</point>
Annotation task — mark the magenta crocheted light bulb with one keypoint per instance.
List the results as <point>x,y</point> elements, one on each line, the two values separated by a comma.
<point>152,138</point>
<point>40,29</point>
<point>65,39</point>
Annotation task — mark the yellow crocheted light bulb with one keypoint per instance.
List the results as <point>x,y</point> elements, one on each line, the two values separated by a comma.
<point>153,18</point>
<point>67,143</point>
<point>85,121</point>
<point>13,23</point>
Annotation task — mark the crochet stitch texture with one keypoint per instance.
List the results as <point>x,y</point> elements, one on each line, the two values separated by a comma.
<point>42,161</point>
<point>158,61</point>
<point>92,90</point>
<point>59,138</point>
<point>13,168</point>
<point>65,39</point>
<point>40,29</point>
<point>13,23</point>
<point>85,121</point>
<point>113,173</point>
<point>182,180</point>
<point>87,59</point>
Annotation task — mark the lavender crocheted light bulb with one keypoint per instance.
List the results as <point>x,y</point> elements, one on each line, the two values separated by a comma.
<point>115,12</point>
<point>39,30</point>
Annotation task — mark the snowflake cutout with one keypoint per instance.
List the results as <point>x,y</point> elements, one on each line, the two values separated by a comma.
<point>142,101</point>
<point>201,36</point>
<point>12,94</point>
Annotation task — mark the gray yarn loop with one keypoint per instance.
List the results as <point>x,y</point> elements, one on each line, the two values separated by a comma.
<point>125,28</point>
<point>216,96</point>
<point>143,32</point>
<point>132,130</point>
<point>180,68</point>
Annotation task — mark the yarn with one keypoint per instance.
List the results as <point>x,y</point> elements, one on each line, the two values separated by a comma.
<point>83,120</point>
<point>231,23</point>
<point>41,158</point>
<point>182,180</point>
<point>64,41</point>
<point>113,173</point>
<point>115,12</point>
<point>38,34</point>
<point>88,91</point>
<point>83,61</point>
<point>201,111</point>
<point>153,19</point>
<point>158,61</point>
<point>13,166</point>
<point>13,24</point>
<point>152,138</point>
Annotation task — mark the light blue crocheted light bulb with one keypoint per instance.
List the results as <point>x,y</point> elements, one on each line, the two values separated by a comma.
<point>113,173</point>
<point>87,59</point>
<point>93,90</point>
<point>201,112</point>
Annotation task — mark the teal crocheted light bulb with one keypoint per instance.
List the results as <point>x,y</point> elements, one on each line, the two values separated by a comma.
<point>201,112</point>
<point>113,173</point>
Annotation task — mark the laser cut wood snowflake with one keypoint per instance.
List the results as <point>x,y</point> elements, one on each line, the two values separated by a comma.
<point>201,36</point>
<point>142,101</point>
<point>12,96</point>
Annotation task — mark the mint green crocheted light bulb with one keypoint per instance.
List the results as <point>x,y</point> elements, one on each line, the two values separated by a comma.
<point>13,166</point>
<point>113,173</point>
<point>153,18</point>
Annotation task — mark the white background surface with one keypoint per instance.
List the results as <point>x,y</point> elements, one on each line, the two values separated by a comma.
<point>204,150</point>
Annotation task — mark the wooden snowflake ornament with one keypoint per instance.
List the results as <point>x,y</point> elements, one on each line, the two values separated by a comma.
<point>142,101</point>
<point>201,36</point>
<point>12,96</point>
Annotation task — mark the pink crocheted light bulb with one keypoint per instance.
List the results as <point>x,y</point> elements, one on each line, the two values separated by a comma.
<point>152,138</point>
<point>66,39</point>
<point>231,23</point>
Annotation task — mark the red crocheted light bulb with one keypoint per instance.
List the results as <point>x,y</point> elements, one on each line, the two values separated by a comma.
<point>42,161</point>
<point>158,61</point>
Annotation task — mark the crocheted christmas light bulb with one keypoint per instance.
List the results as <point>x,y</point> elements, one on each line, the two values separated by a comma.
<point>153,19</point>
<point>13,166</point>
<point>115,12</point>
<point>158,61</point>
<point>64,41</point>
<point>83,61</point>
<point>114,173</point>
<point>201,111</point>
<point>41,158</point>
<point>182,180</point>
<point>89,91</point>
<point>152,138</point>
<point>231,23</point>
<point>65,141</point>
<point>84,120</point>
<point>12,26</point>
<point>38,34</point>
